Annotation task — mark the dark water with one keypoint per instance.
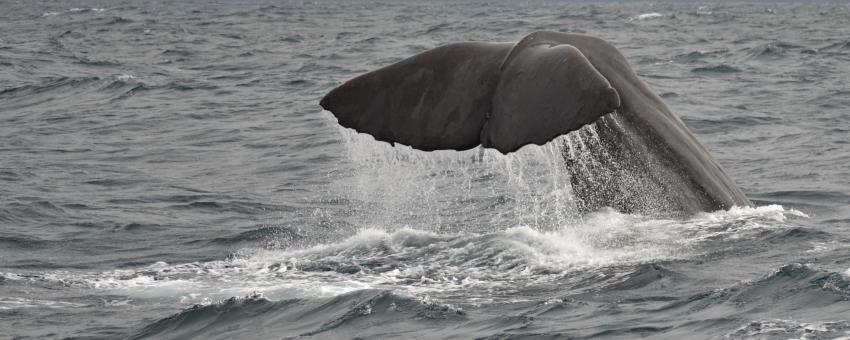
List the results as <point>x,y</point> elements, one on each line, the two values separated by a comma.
<point>166,172</point>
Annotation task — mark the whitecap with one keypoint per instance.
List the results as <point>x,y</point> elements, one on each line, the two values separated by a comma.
<point>647,16</point>
<point>8,303</point>
<point>781,328</point>
<point>81,10</point>
<point>125,77</point>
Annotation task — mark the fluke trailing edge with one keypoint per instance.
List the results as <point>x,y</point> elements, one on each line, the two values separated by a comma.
<point>505,96</point>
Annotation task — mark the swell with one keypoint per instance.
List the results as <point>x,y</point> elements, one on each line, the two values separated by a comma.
<point>342,316</point>
<point>52,92</point>
<point>791,288</point>
<point>772,50</point>
<point>21,212</point>
<point>70,91</point>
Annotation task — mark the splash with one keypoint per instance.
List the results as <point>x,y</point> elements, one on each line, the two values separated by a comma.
<point>482,267</point>
<point>477,224</point>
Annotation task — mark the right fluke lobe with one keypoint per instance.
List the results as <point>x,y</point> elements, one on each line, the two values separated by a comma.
<point>545,91</point>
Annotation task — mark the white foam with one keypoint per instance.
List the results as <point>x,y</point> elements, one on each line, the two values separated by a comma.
<point>789,329</point>
<point>9,303</point>
<point>418,263</point>
<point>704,10</point>
<point>77,10</point>
<point>773,212</point>
<point>11,276</point>
<point>125,77</point>
<point>647,16</point>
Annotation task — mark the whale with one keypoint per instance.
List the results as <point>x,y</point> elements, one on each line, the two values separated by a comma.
<point>504,96</point>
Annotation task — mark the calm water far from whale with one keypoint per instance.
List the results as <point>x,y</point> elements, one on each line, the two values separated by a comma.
<point>166,172</point>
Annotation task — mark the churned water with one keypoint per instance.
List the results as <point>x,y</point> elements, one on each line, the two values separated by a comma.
<point>166,172</point>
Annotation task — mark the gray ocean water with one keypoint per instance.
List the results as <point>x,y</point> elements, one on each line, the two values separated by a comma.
<point>166,172</point>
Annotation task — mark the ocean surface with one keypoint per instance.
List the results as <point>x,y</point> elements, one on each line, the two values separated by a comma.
<point>166,172</point>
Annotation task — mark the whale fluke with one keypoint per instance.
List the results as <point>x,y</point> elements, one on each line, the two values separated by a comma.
<point>461,95</point>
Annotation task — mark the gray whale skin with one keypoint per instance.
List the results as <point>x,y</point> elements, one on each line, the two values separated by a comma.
<point>506,95</point>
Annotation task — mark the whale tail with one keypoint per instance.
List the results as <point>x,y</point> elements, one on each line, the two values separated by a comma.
<point>462,95</point>
<point>506,95</point>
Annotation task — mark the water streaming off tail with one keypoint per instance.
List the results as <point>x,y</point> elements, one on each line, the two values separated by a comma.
<point>545,187</point>
<point>473,190</point>
<point>610,166</point>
